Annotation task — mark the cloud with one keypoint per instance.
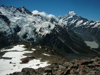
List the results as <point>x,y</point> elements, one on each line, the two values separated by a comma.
<point>35,12</point>
<point>43,14</point>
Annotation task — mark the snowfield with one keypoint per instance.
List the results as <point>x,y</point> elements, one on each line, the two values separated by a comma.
<point>15,48</point>
<point>13,64</point>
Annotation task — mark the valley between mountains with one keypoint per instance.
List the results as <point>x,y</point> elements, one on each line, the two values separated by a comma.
<point>36,43</point>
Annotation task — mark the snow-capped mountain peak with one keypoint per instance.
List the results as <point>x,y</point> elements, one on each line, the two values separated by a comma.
<point>71,15</point>
<point>29,26</point>
<point>13,10</point>
<point>82,26</point>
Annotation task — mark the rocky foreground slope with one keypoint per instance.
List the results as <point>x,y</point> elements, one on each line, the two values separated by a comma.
<point>30,59</point>
<point>74,67</point>
<point>21,55</point>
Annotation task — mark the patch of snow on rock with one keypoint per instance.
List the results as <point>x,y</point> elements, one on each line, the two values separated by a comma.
<point>78,23</point>
<point>33,49</point>
<point>45,54</point>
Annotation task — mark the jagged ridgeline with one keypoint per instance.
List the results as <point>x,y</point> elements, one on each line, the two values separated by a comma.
<point>19,24</point>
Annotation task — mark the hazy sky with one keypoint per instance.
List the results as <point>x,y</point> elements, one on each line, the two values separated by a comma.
<point>89,9</point>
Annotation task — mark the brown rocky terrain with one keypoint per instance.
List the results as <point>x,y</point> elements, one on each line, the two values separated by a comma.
<point>74,67</point>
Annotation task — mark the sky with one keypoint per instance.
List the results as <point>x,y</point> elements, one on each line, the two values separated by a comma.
<point>89,9</point>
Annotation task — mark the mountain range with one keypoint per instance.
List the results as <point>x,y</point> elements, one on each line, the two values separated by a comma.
<point>65,34</point>
<point>87,29</point>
